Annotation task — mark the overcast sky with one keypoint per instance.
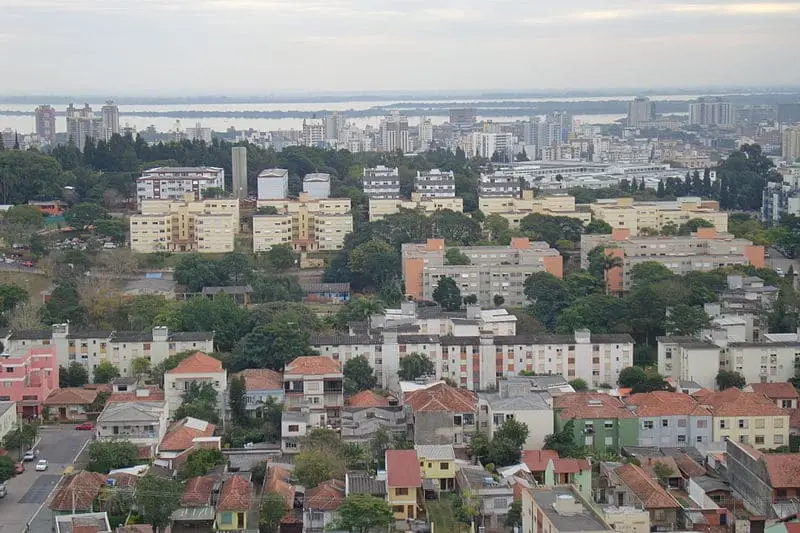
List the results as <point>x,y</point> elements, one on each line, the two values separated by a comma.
<point>172,47</point>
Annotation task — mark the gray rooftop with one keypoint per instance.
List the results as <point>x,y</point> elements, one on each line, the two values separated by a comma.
<point>532,401</point>
<point>5,406</point>
<point>435,452</point>
<point>292,416</point>
<point>190,514</point>
<point>709,483</point>
<point>68,523</point>
<point>586,520</point>
<point>132,412</point>
<point>359,482</point>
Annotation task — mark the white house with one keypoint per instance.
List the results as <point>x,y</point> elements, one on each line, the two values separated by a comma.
<point>516,401</point>
<point>197,368</point>
<point>143,423</point>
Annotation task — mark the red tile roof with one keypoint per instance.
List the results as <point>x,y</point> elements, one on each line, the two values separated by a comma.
<point>368,398</point>
<point>536,460</point>
<point>792,527</point>
<point>689,466</point>
<point>649,464</point>
<point>663,403</point>
<point>198,492</point>
<point>261,379</point>
<point>775,391</point>
<point>71,396</point>
<point>783,469</point>
<point>313,365</point>
<point>402,468</point>
<point>570,466</point>
<point>645,488</point>
<point>733,402</point>
<point>85,529</point>
<point>179,437</point>
<point>154,394</point>
<point>234,495</point>
<point>441,397</point>
<point>78,491</point>
<point>197,363</point>
<point>589,405</point>
<point>125,480</point>
<point>277,481</point>
<point>327,496</point>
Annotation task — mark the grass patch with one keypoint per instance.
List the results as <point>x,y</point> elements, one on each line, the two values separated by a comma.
<point>33,283</point>
<point>443,516</point>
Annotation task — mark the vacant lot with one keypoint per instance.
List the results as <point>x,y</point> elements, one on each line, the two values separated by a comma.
<point>33,283</point>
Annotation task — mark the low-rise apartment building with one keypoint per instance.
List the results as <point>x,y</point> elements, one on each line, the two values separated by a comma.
<point>516,401</point>
<point>260,385</point>
<point>435,183</point>
<point>307,224</point>
<point>185,225</point>
<point>689,359</point>
<point>763,362</point>
<point>173,183</point>
<point>703,251</point>
<point>671,420</point>
<point>381,182</point>
<point>492,271</point>
<point>403,483</point>
<point>28,379</point>
<point>631,486</point>
<point>199,369</point>
<point>601,421</point>
<point>559,509</point>
<point>438,464</point>
<point>515,208</point>
<point>313,387</point>
<point>119,348</point>
<point>441,414</point>
<point>636,216</point>
<point>383,207</point>
<point>746,417</point>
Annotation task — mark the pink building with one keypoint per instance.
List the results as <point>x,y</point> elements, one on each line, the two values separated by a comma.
<point>29,379</point>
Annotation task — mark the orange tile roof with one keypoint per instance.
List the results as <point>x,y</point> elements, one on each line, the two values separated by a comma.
<point>645,488</point>
<point>261,379</point>
<point>570,466</point>
<point>775,391</point>
<point>367,398</point>
<point>649,464</point>
<point>536,460</point>
<point>197,363</point>
<point>783,469</point>
<point>78,491</point>
<point>198,492</point>
<point>663,403</point>
<point>277,481</point>
<point>234,495</point>
<point>154,394</point>
<point>313,365</point>
<point>124,480</point>
<point>402,469</point>
<point>589,405</point>
<point>733,402</point>
<point>327,496</point>
<point>179,437</point>
<point>441,397</point>
<point>689,466</point>
<point>71,396</point>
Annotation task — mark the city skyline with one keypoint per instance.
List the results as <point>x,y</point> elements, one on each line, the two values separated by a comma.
<point>316,46</point>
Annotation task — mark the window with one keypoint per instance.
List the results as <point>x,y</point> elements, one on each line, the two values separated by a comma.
<point>780,493</point>
<point>401,491</point>
<point>664,423</point>
<point>647,424</point>
<point>682,438</point>
<point>226,518</point>
<point>294,428</point>
<point>398,508</point>
<point>759,439</point>
<point>777,439</point>
<point>609,424</point>
<point>317,516</point>
<point>722,424</point>
<point>742,423</point>
<point>699,438</point>
<point>457,420</point>
<point>444,465</point>
<point>786,404</point>
<point>777,422</point>
<point>702,424</point>
<point>681,422</point>
<point>759,423</point>
<point>609,441</point>
<point>500,503</point>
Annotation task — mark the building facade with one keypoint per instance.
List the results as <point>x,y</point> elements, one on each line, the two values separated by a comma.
<point>710,112</point>
<point>636,216</point>
<point>317,185</point>
<point>641,109</point>
<point>382,207</point>
<point>435,184</point>
<point>46,123</point>
<point>173,183</point>
<point>273,184</point>
<point>28,379</point>
<point>197,369</point>
<point>601,421</point>
<point>109,115</point>
<point>671,420</point>
<point>82,123</point>
<point>239,172</point>
<point>313,387</point>
<point>381,183</point>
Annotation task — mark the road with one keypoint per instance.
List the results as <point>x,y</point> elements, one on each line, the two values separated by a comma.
<point>28,491</point>
<point>777,260</point>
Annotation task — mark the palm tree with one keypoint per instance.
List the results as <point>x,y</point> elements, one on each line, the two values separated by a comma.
<point>610,262</point>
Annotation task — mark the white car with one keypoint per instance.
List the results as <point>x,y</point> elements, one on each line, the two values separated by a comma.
<point>41,466</point>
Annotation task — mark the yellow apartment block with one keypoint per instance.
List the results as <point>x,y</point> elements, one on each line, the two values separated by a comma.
<point>514,209</point>
<point>307,224</point>
<point>205,226</point>
<point>379,208</point>
<point>628,214</point>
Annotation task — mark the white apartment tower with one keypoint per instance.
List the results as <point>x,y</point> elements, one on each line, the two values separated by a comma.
<point>707,112</point>
<point>791,144</point>
<point>313,132</point>
<point>435,184</point>
<point>172,183</point>
<point>109,114</point>
<point>641,110</point>
<point>273,184</point>
<point>317,185</point>
<point>239,168</point>
<point>394,133</point>
<point>381,182</point>
<point>81,123</point>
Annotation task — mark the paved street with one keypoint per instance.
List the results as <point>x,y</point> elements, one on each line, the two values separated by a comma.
<point>28,491</point>
<point>776,260</point>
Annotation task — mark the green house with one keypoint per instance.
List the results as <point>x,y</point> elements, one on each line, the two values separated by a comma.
<point>601,421</point>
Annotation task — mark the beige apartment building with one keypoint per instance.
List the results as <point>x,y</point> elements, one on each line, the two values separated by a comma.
<point>635,216</point>
<point>204,226</point>
<point>493,270</point>
<point>382,207</point>
<point>308,224</point>
<point>515,208</point>
<point>703,251</point>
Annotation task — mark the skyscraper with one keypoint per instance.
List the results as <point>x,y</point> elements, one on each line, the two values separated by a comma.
<point>791,144</point>
<point>109,113</point>
<point>706,112</point>
<point>239,160</point>
<point>81,123</point>
<point>641,110</point>
<point>313,132</point>
<point>394,133</point>
<point>46,122</point>
<point>463,119</point>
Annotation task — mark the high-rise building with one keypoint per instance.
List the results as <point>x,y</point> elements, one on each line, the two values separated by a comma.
<point>789,113</point>
<point>394,133</point>
<point>109,114</point>
<point>435,184</point>
<point>425,132</point>
<point>239,161</point>
<point>641,110</point>
<point>198,133</point>
<point>708,112</point>
<point>82,123</point>
<point>791,145</point>
<point>46,122</point>
<point>381,182</point>
<point>313,132</point>
<point>273,184</point>
<point>487,145</point>
<point>334,125</point>
<point>463,119</point>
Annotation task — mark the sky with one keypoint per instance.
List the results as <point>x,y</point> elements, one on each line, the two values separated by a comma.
<point>262,47</point>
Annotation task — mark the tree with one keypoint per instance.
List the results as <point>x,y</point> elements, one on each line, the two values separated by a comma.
<point>453,256</point>
<point>267,210</point>
<point>105,372</point>
<point>273,509</point>
<point>271,346</point>
<point>663,472</point>
<point>64,305</point>
<point>358,375</point>
<point>631,376</point>
<point>85,214</point>
<point>579,384</point>
<point>199,401</point>
<point>201,462</point>
<point>685,319</point>
<point>727,379</point>
<point>563,441</point>
<point>110,455</point>
<point>514,516</point>
<point>22,436</point>
<point>375,262</point>
<point>7,465</point>
<point>378,444</point>
<point>156,499</point>
<point>447,294</point>
<point>692,225</point>
<point>548,296</point>
<point>237,396</point>
<point>415,365</point>
<point>75,375</point>
<point>598,226</point>
<point>470,299</point>
<point>362,513</point>
<point>513,431</point>
<point>669,229</point>
<point>140,366</point>
<point>11,295</point>
<point>281,257</point>
<point>196,272</point>
<point>312,467</point>
<point>498,300</point>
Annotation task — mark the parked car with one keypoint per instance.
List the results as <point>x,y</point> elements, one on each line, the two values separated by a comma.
<point>2,490</point>
<point>19,468</point>
<point>28,264</point>
<point>30,455</point>
<point>86,426</point>
<point>41,466</point>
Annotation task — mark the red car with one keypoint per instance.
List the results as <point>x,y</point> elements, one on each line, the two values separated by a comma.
<point>27,264</point>
<point>86,426</point>
<point>19,468</point>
